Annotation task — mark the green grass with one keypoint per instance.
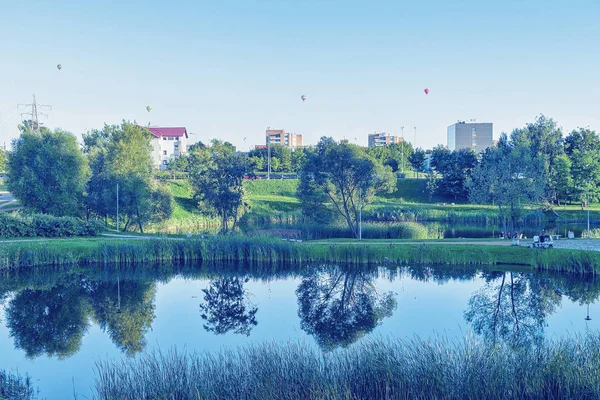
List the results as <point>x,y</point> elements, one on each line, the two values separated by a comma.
<point>415,368</point>
<point>273,203</point>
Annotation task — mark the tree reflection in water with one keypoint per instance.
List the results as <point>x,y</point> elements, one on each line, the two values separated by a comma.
<point>125,310</point>
<point>53,321</point>
<point>338,305</point>
<point>227,307</point>
<point>513,307</point>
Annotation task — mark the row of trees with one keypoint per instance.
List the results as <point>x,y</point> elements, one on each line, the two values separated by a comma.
<point>534,164</point>
<point>49,172</point>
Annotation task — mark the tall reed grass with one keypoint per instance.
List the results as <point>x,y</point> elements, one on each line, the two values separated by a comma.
<point>244,250</point>
<point>15,387</point>
<point>416,368</point>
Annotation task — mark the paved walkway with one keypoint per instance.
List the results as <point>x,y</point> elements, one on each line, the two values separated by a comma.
<point>583,244</point>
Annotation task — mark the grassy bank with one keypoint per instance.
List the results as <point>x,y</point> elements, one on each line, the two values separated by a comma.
<point>15,387</point>
<point>268,250</point>
<point>378,369</point>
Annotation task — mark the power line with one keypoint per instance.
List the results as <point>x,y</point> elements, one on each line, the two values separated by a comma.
<point>34,113</point>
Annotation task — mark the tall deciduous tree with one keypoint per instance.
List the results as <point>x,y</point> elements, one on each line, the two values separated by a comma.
<point>582,146</point>
<point>509,177</point>
<point>455,168</point>
<point>544,140</point>
<point>217,174</point>
<point>417,160</point>
<point>47,172</point>
<point>122,153</point>
<point>341,178</point>
<point>3,160</point>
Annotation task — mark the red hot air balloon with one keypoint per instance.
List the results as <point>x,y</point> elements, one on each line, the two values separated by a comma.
<point>303,97</point>
<point>426,91</point>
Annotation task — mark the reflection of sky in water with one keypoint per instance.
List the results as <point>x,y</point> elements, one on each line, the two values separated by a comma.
<point>423,308</point>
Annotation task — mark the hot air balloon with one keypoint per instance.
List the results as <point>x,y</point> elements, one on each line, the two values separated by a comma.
<point>426,91</point>
<point>148,108</point>
<point>59,66</point>
<point>303,97</point>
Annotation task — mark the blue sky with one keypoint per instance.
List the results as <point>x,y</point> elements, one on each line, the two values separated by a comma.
<point>229,69</point>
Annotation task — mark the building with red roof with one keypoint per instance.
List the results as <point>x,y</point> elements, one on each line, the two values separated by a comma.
<point>168,143</point>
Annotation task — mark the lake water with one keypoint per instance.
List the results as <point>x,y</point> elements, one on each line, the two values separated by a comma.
<point>54,325</point>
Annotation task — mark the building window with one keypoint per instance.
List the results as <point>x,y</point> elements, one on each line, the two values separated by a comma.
<point>164,152</point>
<point>164,138</point>
<point>177,138</point>
<point>170,138</point>
<point>164,162</point>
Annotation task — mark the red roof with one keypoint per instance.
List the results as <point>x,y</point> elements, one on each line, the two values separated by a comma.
<point>158,131</point>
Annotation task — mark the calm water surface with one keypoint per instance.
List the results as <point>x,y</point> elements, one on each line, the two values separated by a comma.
<point>53,326</point>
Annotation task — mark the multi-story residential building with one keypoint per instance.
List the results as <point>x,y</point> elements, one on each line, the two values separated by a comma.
<point>287,139</point>
<point>378,139</point>
<point>167,143</point>
<point>477,136</point>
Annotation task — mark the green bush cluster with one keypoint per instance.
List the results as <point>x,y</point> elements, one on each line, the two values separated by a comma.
<point>41,225</point>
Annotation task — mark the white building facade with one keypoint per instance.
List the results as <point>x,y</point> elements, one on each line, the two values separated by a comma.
<point>167,143</point>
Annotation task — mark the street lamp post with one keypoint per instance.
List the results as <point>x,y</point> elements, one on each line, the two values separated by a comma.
<point>588,209</point>
<point>402,130</point>
<point>415,139</point>
<point>117,206</point>
<point>587,318</point>
<point>268,153</point>
<point>360,215</point>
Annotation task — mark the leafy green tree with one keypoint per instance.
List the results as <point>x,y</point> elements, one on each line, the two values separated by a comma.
<point>179,163</point>
<point>283,155</point>
<point>297,159</point>
<point>417,160</point>
<point>455,168</point>
<point>122,153</point>
<point>561,179</point>
<point>217,174</point>
<point>509,177</point>
<point>47,172</point>
<point>227,307</point>
<point>545,142</point>
<point>395,155</point>
<point>342,179</point>
<point>257,163</point>
<point>3,160</point>
<point>275,164</point>
<point>582,146</point>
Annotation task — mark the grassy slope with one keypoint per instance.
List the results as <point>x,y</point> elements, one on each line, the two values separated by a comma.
<point>277,197</point>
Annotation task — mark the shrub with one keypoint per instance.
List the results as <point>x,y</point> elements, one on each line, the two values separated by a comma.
<point>41,225</point>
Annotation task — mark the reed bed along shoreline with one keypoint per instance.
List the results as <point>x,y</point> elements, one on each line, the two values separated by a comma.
<point>416,368</point>
<point>269,250</point>
<point>15,387</point>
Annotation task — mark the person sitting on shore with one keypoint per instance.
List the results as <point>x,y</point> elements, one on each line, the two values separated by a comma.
<point>502,235</point>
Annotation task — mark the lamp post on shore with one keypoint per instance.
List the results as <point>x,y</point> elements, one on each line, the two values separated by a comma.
<point>587,318</point>
<point>268,153</point>
<point>117,206</point>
